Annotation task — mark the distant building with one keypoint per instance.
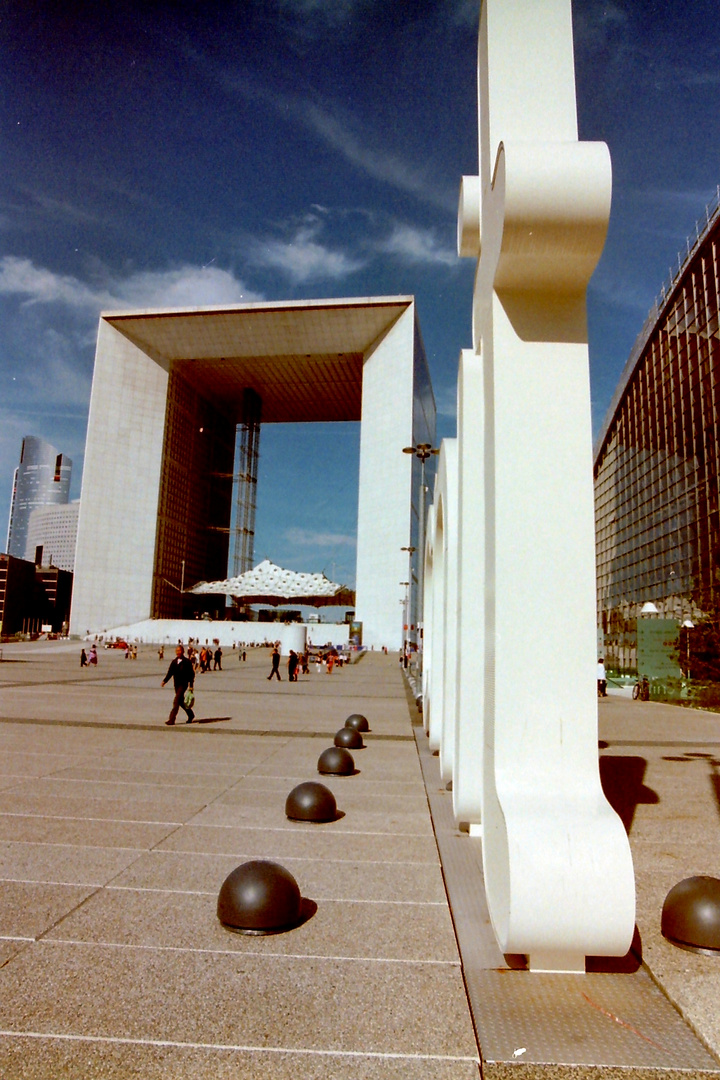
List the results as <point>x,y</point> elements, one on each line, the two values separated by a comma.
<point>170,389</point>
<point>32,597</point>
<point>41,479</point>
<point>52,535</point>
<point>657,469</point>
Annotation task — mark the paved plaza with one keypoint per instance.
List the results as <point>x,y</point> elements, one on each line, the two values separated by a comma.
<point>117,833</point>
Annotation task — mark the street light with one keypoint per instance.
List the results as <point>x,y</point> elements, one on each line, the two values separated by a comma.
<point>410,550</point>
<point>406,615</point>
<point>688,625</point>
<point>422,451</point>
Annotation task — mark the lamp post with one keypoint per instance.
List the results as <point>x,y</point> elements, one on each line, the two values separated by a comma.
<point>411,551</point>
<point>688,625</point>
<point>422,451</point>
<point>406,619</point>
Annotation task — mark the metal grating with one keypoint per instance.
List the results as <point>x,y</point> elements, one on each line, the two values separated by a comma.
<point>545,1024</point>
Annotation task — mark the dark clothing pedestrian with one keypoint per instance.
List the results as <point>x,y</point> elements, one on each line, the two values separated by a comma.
<point>83,658</point>
<point>183,675</point>
<point>292,666</point>
<point>218,659</point>
<point>275,670</point>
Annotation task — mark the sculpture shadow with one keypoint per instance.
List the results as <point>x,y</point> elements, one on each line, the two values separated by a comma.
<point>618,965</point>
<point>307,910</point>
<point>713,763</point>
<point>597,965</point>
<point>622,781</point>
<point>715,781</point>
<point>339,815</point>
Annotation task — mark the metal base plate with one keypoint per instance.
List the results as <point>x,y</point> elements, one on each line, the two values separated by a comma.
<point>611,1022</point>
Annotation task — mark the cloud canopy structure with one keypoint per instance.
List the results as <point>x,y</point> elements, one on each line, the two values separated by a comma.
<point>267,583</point>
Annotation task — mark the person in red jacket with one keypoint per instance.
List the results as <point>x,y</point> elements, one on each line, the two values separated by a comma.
<point>183,675</point>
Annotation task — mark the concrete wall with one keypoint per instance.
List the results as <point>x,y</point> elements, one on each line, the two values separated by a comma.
<point>384,495</point>
<point>121,476</point>
<point>290,635</point>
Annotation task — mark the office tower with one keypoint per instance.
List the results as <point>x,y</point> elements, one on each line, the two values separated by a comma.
<point>41,479</point>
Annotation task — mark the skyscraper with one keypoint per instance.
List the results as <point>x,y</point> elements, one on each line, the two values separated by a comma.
<point>41,479</point>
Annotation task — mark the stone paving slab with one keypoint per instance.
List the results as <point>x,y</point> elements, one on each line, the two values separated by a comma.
<point>160,1060</point>
<point>375,822</point>
<point>127,971</point>
<point>286,842</point>
<point>132,974</point>
<point>192,997</point>
<point>29,908</point>
<point>162,920</point>
<point>62,865</point>
<point>82,832</point>
<point>352,880</point>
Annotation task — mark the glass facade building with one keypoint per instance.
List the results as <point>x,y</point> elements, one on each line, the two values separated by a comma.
<point>41,479</point>
<point>656,464</point>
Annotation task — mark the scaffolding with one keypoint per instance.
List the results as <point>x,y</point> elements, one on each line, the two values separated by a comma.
<point>245,482</point>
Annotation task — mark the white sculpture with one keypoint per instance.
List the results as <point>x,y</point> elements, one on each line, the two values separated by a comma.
<point>440,648</point>
<point>557,864</point>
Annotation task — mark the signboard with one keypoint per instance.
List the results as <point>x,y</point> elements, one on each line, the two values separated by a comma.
<point>657,648</point>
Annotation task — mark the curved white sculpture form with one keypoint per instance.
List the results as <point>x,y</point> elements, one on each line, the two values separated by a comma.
<point>434,626</point>
<point>441,598</point>
<point>470,660</point>
<point>557,862</point>
<point>446,529</point>
<point>428,659</point>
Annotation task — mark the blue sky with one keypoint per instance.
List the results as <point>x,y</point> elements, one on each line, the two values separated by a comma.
<point>168,154</point>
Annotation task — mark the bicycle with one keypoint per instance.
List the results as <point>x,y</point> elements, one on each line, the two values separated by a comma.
<point>641,689</point>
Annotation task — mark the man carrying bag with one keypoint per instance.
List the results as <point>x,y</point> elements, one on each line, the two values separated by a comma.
<point>183,676</point>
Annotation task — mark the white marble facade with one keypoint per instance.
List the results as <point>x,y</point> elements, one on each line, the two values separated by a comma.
<point>117,554</point>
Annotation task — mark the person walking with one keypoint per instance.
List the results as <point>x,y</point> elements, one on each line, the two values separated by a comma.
<point>601,678</point>
<point>217,659</point>
<point>83,658</point>
<point>275,670</point>
<point>292,666</point>
<point>183,676</point>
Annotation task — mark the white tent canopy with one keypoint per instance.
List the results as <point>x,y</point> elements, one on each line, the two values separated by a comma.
<point>270,584</point>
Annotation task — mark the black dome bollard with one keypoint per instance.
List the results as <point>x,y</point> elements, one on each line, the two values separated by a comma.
<point>358,722</point>
<point>311,802</point>
<point>349,738</point>
<point>691,915</point>
<point>259,897</point>
<point>336,761</point>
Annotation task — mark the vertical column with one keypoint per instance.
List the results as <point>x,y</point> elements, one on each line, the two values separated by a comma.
<point>384,495</point>
<point>117,524</point>
<point>246,482</point>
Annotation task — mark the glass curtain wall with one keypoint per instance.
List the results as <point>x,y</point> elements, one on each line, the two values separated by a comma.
<point>656,467</point>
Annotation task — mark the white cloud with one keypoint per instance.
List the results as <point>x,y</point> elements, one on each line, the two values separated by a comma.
<point>334,127</point>
<point>60,375</point>
<point>308,538</point>
<point>446,401</point>
<point>416,245</point>
<point>20,277</point>
<point>465,12</point>
<point>186,286</point>
<point>376,163</point>
<point>303,257</point>
<point>332,10</point>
